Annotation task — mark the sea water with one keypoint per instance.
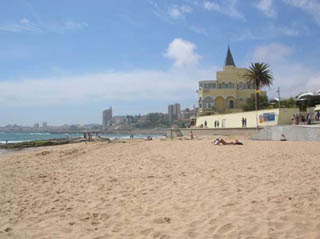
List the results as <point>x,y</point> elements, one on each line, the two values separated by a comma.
<point>16,137</point>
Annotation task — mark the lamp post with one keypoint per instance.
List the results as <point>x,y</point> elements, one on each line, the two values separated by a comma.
<point>256,94</point>
<point>279,102</point>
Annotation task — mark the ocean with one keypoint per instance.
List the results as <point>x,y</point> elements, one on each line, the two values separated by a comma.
<point>16,137</point>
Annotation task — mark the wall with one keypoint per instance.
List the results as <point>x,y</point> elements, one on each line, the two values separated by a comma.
<point>211,132</point>
<point>234,120</point>
<point>290,132</point>
<point>286,115</point>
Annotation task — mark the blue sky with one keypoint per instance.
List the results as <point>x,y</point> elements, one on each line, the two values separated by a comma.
<point>66,61</point>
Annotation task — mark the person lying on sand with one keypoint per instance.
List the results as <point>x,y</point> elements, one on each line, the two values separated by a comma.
<point>221,141</point>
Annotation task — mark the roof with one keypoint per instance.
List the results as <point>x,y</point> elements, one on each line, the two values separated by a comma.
<point>229,59</point>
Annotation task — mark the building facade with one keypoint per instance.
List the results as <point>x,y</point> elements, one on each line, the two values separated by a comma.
<point>227,93</point>
<point>106,117</point>
<point>253,119</point>
<point>174,112</point>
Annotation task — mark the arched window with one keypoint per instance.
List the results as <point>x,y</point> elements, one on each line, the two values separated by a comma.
<point>208,102</point>
<point>223,85</point>
<point>231,104</point>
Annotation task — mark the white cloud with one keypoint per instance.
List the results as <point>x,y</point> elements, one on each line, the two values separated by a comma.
<point>199,30</point>
<point>176,84</point>
<point>287,30</point>
<point>247,34</point>
<point>311,7</point>
<point>25,25</point>
<point>143,85</point>
<point>70,25</point>
<point>178,12</point>
<point>211,6</point>
<point>226,7</point>
<point>182,52</point>
<point>266,6</point>
<point>272,31</point>
<point>274,52</point>
<point>174,12</point>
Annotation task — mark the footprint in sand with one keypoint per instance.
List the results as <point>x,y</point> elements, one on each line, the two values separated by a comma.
<point>160,235</point>
<point>191,234</point>
<point>225,228</point>
<point>162,220</point>
<point>146,232</point>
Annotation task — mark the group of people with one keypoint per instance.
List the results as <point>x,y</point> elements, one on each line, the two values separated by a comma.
<point>88,135</point>
<point>301,119</point>
<point>244,122</point>
<point>205,125</point>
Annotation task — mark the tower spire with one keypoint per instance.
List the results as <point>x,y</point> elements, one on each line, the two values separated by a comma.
<point>229,59</point>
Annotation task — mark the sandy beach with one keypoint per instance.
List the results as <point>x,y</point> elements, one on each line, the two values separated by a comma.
<point>162,189</point>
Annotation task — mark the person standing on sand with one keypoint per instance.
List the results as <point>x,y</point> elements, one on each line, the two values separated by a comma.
<point>293,119</point>
<point>309,116</point>
<point>297,119</point>
<point>191,135</point>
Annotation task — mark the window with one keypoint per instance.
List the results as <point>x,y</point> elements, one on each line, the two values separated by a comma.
<point>208,102</point>
<point>231,104</point>
<point>212,85</point>
<point>231,85</point>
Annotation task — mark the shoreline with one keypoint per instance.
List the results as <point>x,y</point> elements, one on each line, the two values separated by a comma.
<point>136,131</point>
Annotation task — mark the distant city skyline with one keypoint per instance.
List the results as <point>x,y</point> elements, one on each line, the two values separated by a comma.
<point>64,62</point>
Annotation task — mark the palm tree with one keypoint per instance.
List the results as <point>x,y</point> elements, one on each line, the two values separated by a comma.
<point>259,76</point>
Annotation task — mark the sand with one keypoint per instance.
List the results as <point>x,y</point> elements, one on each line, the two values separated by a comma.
<point>162,189</point>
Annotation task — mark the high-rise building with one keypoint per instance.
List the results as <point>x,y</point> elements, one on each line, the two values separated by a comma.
<point>44,125</point>
<point>174,112</point>
<point>106,117</point>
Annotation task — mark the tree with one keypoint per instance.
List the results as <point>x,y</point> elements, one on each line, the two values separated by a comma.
<point>288,103</point>
<point>259,76</point>
<point>250,104</point>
